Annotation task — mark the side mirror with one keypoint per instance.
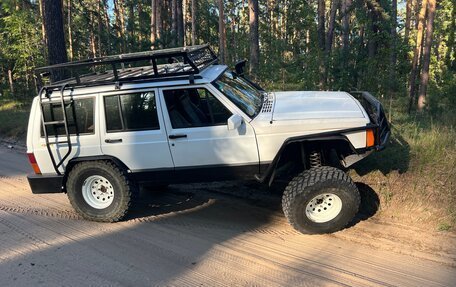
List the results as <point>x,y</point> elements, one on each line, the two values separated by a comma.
<point>234,122</point>
<point>239,67</point>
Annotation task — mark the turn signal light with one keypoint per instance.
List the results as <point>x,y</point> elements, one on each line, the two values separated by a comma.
<point>32,160</point>
<point>370,138</point>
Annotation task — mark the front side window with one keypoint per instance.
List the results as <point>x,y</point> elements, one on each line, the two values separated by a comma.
<point>240,92</point>
<point>131,112</point>
<point>195,107</point>
<point>80,117</point>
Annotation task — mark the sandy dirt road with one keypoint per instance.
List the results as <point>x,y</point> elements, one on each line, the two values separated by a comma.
<point>220,234</point>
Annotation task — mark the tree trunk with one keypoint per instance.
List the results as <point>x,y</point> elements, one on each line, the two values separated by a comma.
<point>186,17</point>
<point>140,30</point>
<point>417,12</point>
<point>122,24</point>
<point>70,36</point>
<point>254,38</point>
<point>234,48</point>
<point>153,27</point>
<point>393,45</point>
<point>100,27</point>
<point>173,22</point>
<point>108,27</point>
<point>321,42</point>
<point>321,24</point>
<point>11,82</point>
<point>222,32</point>
<point>332,20</point>
<point>131,26</point>
<point>416,54</point>
<point>92,35</point>
<point>43,30</point>
<point>426,55</point>
<point>180,24</point>
<point>194,22</point>
<point>374,29</point>
<point>346,25</point>
<point>408,16</point>
<point>55,35</point>
<point>117,12</point>
<point>158,22</point>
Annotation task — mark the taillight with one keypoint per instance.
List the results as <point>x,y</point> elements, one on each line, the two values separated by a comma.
<point>370,138</point>
<point>32,160</point>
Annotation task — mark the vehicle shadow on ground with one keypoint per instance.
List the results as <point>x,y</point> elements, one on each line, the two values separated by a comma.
<point>370,203</point>
<point>157,203</point>
<point>395,157</point>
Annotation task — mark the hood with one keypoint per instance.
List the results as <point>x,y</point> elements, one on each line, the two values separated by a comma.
<point>315,105</point>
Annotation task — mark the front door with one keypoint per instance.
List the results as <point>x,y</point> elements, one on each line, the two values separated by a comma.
<point>199,139</point>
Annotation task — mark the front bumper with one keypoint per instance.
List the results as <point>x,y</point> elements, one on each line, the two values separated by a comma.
<point>377,117</point>
<point>45,183</point>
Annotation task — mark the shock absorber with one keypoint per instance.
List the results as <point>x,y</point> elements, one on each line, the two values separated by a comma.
<point>315,159</point>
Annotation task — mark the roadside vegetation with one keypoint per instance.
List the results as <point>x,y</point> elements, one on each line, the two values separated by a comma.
<point>415,176</point>
<point>13,119</point>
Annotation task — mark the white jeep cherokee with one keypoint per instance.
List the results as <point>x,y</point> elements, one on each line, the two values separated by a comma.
<point>176,116</point>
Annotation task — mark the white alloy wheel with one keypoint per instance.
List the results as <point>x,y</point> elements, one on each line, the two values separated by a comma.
<point>323,207</point>
<point>97,191</point>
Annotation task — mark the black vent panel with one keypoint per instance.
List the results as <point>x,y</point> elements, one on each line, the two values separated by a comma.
<point>267,105</point>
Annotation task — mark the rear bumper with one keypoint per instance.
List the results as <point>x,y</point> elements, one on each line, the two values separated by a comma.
<point>377,117</point>
<point>45,183</point>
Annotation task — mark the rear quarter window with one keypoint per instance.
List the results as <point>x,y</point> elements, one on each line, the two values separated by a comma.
<point>80,117</point>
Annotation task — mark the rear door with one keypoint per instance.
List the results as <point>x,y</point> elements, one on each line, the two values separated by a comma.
<point>133,131</point>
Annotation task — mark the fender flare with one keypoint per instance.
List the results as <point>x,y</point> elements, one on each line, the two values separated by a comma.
<point>76,160</point>
<point>325,136</point>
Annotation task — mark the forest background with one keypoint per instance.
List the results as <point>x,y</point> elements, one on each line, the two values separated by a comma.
<point>403,52</point>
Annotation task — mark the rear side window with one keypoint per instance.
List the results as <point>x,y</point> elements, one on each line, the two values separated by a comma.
<point>131,112</point>
<point>80,116</point>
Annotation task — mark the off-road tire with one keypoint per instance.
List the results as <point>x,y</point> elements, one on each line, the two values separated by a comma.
<point>312,183</point>
<point>124,191</point>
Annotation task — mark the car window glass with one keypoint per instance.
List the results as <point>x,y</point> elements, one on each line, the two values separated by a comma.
<point>240,92</point>
<point>131,112</point>
<point>113,117</point>
<point>80,117</point>
<point>195,107</point>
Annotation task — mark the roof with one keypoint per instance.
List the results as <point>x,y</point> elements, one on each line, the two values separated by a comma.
<point>157,65</point>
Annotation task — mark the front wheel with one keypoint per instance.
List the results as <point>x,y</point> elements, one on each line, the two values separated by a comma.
<point>99,191</point>
<point>320,200</point>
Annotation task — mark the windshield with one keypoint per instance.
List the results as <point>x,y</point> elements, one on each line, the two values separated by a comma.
<point>240,92</point>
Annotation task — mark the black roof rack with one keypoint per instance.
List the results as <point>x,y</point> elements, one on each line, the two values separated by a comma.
<point>142,66</point>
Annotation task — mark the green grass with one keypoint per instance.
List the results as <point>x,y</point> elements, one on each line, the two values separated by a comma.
<point>13,119</point>
<point>415,176</point>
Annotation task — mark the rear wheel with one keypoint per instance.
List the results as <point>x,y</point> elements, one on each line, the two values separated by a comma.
<point>320,200</point>
<point>99,191</point>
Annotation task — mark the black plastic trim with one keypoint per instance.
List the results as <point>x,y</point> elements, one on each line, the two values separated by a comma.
<point>40,184</point>
<point>193,174</point>
<point>325,136</point>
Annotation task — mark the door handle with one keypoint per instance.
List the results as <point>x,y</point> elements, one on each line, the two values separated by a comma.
<point>172,137</point>
<point>113,140</point>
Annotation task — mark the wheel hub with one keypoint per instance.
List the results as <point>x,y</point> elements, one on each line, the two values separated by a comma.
<point>97,192</point>
<point>323,207</point>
